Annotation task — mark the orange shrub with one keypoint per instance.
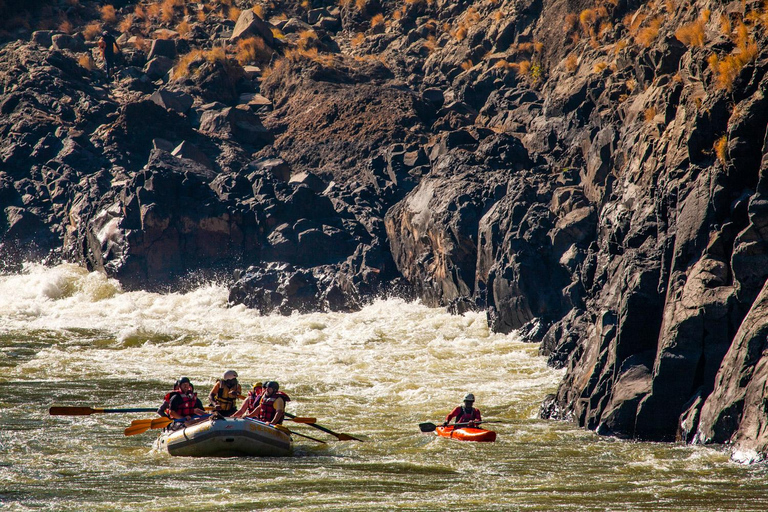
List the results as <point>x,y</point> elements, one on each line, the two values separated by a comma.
<point>649,114</point>
<point>66,26</point>
<point>466,65</point>
<point>126,24</point>
<point>377,20</point>
<point>108,14</point>
<point>252,49</point>
<point>357,40</point>
<point>647,35</point>
<point>183,28</point>
<point>571,62</point>
<point>92,31</point>
<point>721,149</point>
<point>691,34</point>
<point>86,62</point>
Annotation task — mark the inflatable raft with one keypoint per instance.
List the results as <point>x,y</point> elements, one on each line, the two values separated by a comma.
<point>226,437</point>
<point>467,434</point>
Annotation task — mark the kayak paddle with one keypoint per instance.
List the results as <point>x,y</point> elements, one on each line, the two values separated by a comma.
<point>430,427</point>
<point>87,411</point>
<point>340,437</point>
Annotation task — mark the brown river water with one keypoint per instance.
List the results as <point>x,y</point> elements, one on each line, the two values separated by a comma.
<point>70,338</point>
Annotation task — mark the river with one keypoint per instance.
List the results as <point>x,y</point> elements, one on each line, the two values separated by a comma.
<point>69,337</point>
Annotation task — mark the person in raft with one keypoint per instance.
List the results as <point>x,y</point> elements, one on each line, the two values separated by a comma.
<point>224,393</point>
<point>184,405</point>
<point>465,413</point>
<point>163,409</point>
<point>250,406</point>
<point>271,407</point>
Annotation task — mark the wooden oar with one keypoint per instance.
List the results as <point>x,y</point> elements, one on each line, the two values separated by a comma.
<point>86,411</point>
<point>285,429</point>
<point>340,437</point>
<point>430,427</point>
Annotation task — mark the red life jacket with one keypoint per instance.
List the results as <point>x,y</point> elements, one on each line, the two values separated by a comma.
<point>463,416</point>
<point>267,403</point>
<point>187,406</point>
<point>252,401</point>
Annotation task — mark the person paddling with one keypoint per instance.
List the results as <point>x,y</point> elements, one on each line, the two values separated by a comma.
<point>250,407</point>
<point>271,409</point>
<point>465,413</point>
<point>163,409</point>
<point>224,393</point>
<point>184,405</point>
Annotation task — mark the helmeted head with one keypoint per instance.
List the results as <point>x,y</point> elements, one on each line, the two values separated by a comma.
<point>469,399</point>
<point>271,384</point>
<point>257,386</point>
<point>229,378</point>
<point>185,384</point>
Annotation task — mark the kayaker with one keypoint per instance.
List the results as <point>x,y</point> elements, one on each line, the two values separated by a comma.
<point>250,406</point>
<point>163,409</point>
<point>185,404</point>
<point>465,413</point>
<point>224,393</point>
<point>272,404</point>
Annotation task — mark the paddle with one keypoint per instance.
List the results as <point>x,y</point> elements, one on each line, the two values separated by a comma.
<point>340,437</point>
<point>430,427</point>
<point>141,426</point>
<point>87,411</point>
<point>285,429</point>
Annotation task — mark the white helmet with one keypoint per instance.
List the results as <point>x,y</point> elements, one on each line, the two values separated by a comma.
<point>469,398</point>
<point>229,374</point>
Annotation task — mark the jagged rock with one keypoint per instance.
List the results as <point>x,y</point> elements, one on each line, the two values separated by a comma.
<point>249,24</point>
<point>158,67</point>
<point>67,42</point>
<point>162,48</point>
<point>274,166</point>
<point>310,180</point>
<point>236,123</point>
<point>173,100</point>
<point>189,151</point>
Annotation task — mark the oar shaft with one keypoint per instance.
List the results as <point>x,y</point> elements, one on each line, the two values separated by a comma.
<point>85,411</point>
<point>340,437</point>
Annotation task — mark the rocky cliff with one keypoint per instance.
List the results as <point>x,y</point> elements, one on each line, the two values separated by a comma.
<point>590,173</point>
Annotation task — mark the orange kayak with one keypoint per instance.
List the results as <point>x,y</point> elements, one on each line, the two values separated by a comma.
<point>467,434</point>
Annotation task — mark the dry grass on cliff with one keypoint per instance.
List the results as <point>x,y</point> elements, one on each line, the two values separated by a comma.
<point>691,34</point>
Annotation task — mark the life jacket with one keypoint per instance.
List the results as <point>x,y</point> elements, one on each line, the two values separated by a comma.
<point>252,401</point>
<point>163,409</point>
<point>188,403</point>
<point>267,403</point>
<point>223,398</point>
<point>467,416</point>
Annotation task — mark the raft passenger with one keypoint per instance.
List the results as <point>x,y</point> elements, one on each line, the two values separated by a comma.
<point>163,409</point>
<point>250,406</point>
<point>184,405</point>
<point>271,408</point>
<point>224,393</point>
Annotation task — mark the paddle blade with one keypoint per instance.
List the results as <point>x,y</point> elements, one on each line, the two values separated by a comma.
<point>160,422</point>
<point>299,419</point>
<point>347,437</point>
<point>135,429</point>
<point>70,411</point>
<point>147,422</point>
<point>427,427</point>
